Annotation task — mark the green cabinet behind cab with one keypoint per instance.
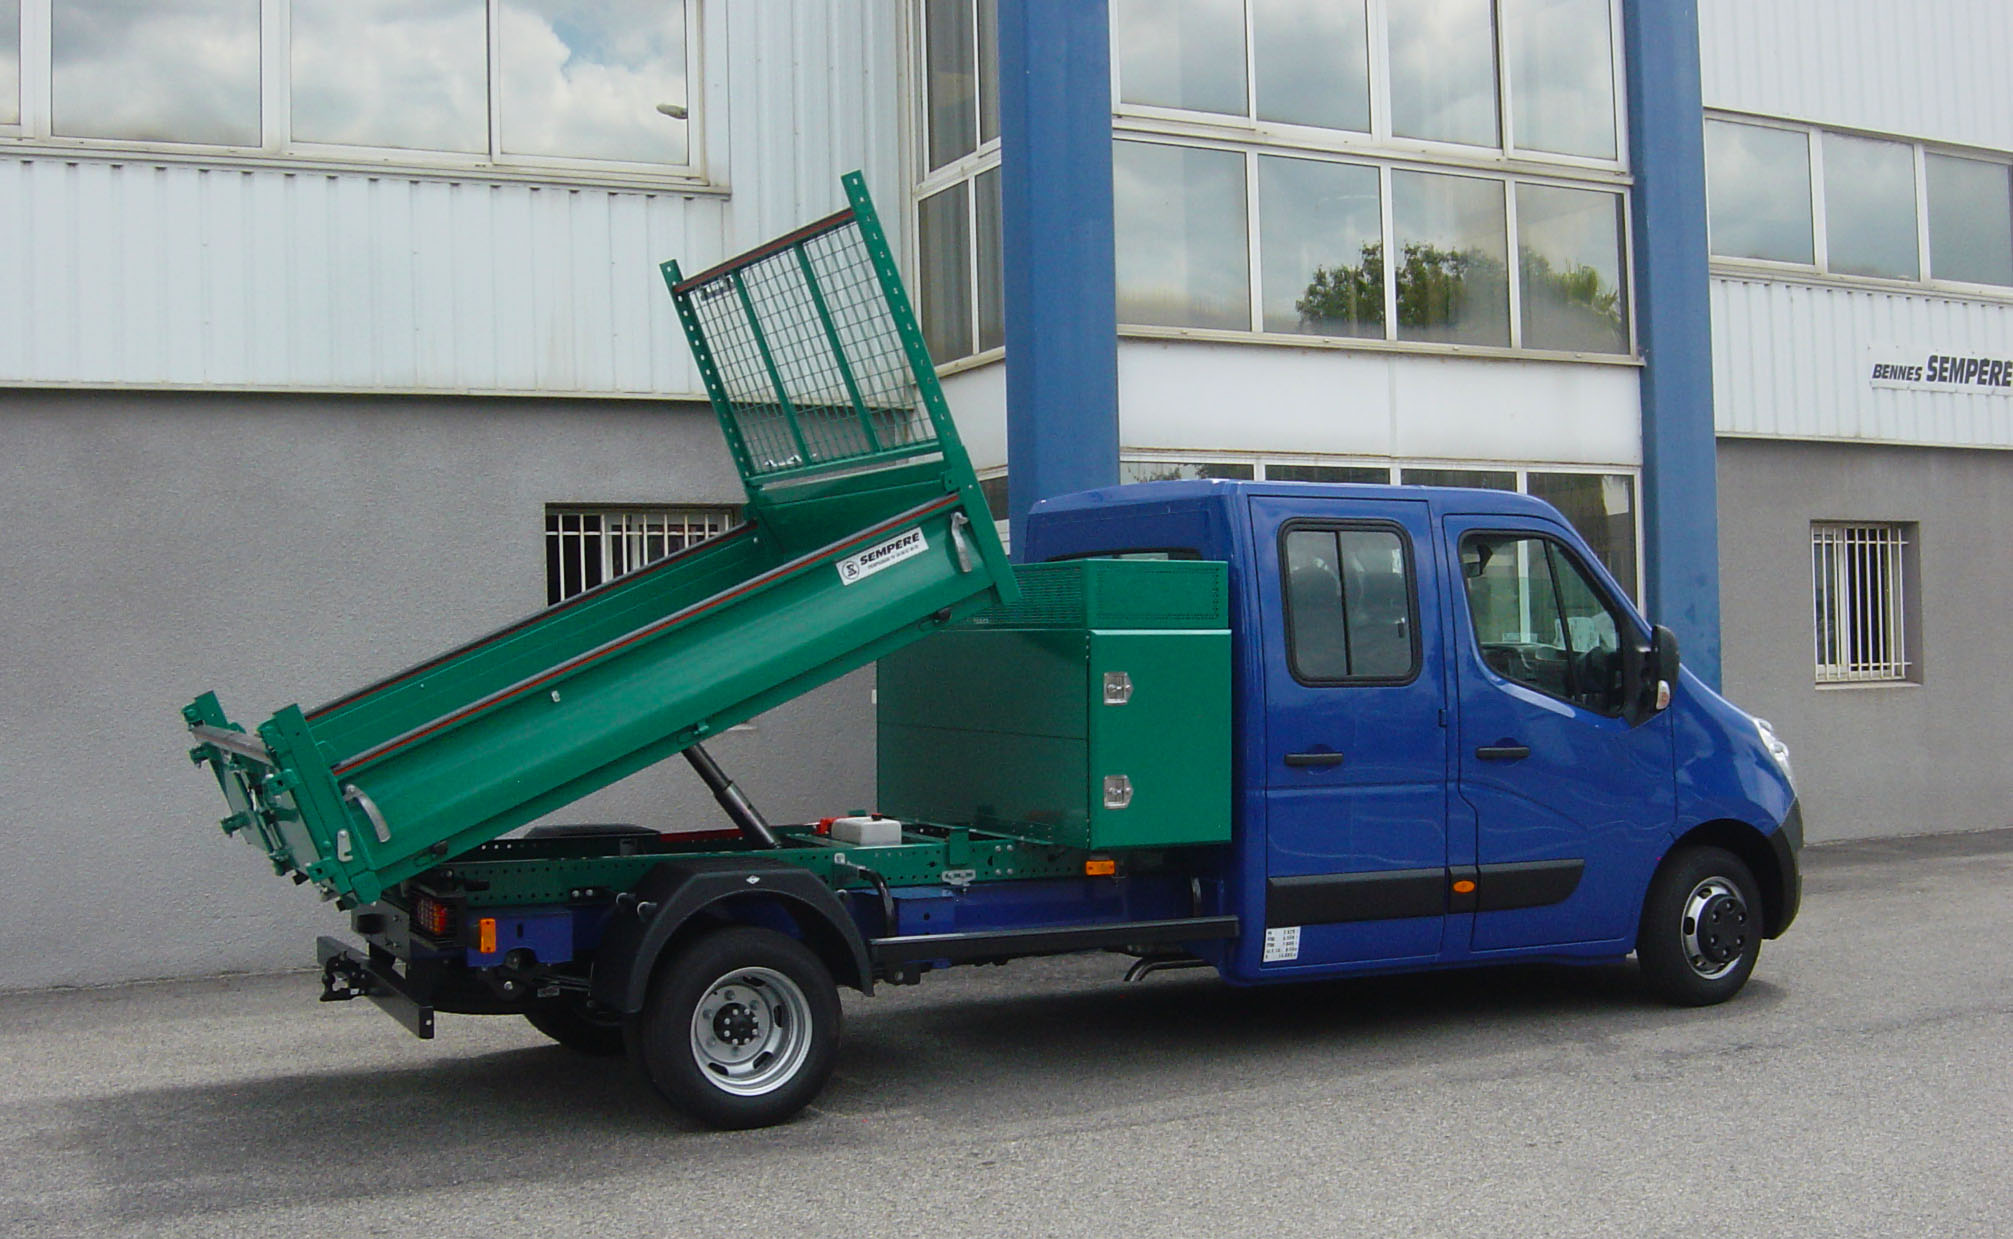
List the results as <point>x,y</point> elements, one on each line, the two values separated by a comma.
<point>1094,713</point>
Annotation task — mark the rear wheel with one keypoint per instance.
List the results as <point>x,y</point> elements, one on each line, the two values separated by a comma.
<point>741,1028</point>
<point>579,1025</point>
<point>1701,927</point>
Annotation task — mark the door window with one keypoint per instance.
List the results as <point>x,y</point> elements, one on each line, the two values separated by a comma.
<point>1349,605</point>
<point>1540,621</point>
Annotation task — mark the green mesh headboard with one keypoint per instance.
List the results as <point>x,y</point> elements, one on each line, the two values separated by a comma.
<point>811,353</point>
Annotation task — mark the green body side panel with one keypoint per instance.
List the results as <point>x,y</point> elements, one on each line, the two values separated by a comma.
<point>866,530</point>
<point>1017,719</point>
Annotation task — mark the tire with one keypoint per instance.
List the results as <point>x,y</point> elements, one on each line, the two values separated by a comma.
<point>1701,929</point>
<point>740,1029</point>
<point>582,1028</point>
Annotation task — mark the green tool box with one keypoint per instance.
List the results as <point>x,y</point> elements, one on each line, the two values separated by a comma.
<point>1094,713</point>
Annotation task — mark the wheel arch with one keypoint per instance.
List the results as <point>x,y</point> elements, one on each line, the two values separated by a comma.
<point>677,901</point>
<point>1774,869</point>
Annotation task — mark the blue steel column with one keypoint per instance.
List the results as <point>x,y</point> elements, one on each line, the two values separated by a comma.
<point>1061,305</point>
<point>1674,324</point>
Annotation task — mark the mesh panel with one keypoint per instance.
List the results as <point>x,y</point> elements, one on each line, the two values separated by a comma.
<point>808,355</point>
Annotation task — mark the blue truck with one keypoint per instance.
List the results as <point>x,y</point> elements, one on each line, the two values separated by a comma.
<point>1285,731</point>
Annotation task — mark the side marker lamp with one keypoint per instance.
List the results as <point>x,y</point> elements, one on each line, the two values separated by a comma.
<point>485,935</point>
<point>1100,867</point>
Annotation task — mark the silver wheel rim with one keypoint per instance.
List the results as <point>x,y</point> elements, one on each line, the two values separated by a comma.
<point>751,1031</point>
<point>1715,928</point>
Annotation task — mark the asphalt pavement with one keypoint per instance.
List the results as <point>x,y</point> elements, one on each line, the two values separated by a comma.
<point>1861,1085</point>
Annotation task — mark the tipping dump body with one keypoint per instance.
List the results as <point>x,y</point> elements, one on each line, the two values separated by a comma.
<point>865,530</point>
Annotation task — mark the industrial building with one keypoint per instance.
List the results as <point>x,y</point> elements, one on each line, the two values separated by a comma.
<point>334,334</point>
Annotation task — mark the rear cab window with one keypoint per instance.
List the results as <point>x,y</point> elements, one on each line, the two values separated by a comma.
<point>1351,612</point>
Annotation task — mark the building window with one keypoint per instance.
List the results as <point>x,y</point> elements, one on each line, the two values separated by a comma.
<point>1860,584</point>
<point>598,86</point>
<point>1970,220</point>
<point>1855,206</point>
<point>1758,192</point>
<point>959,296</point>
<point>1294,191</point>
<point>1450,69</point>
<point>1869,207</point>
<point>123,71</point>
<point>590,546</point>
<point>10,62</point>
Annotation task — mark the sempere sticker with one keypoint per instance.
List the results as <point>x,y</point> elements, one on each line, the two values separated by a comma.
<point>856,568</point>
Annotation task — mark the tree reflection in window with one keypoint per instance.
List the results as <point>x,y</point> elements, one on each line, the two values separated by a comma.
<point>1439,289</point>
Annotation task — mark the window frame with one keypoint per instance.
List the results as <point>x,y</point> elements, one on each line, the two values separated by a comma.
<point>926,182</point>
<point>1335,525</point>
<point>1897,550</point>
<point>277,149</point>
<point>1622,616</point>
<point>1820,271</point>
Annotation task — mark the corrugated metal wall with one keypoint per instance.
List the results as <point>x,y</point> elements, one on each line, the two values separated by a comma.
<point>1926,69</point>
<point>132,272</point>
<point>1790,360</point>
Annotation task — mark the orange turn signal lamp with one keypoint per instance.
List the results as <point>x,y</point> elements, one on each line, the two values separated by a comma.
<point>1466,886</point>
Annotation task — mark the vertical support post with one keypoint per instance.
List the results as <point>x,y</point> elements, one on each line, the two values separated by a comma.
<point>1060,296</point>
<point>1674,325</point>
<point>838,348</point>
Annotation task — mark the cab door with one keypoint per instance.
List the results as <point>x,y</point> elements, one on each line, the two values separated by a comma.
<point>1571,802</point>
<point>1355,747</point>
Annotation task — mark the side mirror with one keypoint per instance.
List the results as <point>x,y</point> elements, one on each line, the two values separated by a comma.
<point>1649,673</point>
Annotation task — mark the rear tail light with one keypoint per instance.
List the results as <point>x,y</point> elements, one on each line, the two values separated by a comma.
<point>432,917</point>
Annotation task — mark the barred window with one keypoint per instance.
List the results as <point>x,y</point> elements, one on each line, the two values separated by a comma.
<point>1859,577</point>
<point>588,546</point>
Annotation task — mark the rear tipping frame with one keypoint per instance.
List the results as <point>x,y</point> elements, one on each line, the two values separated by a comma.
<point>866,529</point>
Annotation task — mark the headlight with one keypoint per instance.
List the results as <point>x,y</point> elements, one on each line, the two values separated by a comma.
<point>1776,748</point>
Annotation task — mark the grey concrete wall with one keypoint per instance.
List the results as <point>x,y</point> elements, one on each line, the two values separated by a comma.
<point>1869,761</point>
<point>284,549</point>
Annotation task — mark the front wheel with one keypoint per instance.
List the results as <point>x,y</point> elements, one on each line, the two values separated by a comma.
<point>1701,928</point>
<point>741,1028</point>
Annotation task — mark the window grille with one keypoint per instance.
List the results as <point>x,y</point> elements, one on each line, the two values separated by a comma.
<point>1858,576</point>
<point>586,547</point>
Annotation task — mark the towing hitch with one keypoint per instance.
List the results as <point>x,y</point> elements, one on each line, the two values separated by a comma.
<point>347,975</point>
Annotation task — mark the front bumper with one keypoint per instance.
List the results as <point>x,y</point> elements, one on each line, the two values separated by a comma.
<point>1787,845</point>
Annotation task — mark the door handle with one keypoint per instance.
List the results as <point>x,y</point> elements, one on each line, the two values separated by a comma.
<point>1503,752</point>
<point>1314,759</point>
